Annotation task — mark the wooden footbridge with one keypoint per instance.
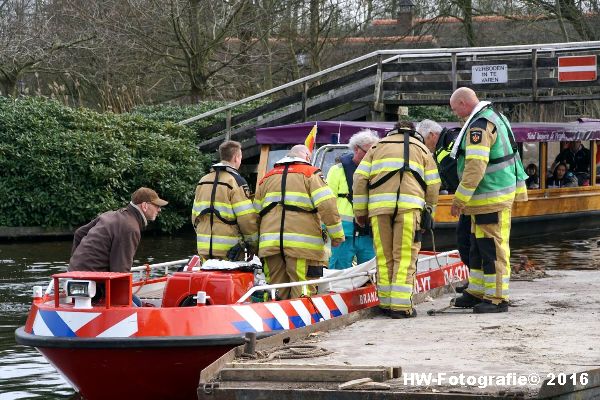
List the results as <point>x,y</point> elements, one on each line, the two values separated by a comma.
<point>526,79</point>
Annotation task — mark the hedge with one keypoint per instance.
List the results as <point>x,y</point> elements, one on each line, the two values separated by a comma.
<point>60,167</point>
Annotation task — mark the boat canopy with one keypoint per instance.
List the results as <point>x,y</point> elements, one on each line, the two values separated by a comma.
<point>328,131</point>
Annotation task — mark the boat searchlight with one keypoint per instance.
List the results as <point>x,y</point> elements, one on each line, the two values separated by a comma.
<point>82,292</point>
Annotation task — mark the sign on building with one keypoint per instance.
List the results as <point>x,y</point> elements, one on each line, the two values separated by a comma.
<point>481,74</point>
<point>577,68</point>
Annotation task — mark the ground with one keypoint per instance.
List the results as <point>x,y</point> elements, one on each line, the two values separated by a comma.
<point>552,327</point>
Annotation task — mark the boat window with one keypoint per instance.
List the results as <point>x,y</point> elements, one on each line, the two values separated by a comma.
<point>331,158</point>
<point>576,157</point>
<point>274,156</point>
<point>530,155</point>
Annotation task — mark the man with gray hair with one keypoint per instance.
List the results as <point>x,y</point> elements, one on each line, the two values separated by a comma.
<point>359,240</point>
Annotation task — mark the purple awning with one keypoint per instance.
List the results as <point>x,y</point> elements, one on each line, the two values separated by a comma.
<point>524,131</point>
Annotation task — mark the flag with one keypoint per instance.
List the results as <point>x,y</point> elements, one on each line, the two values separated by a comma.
<point>311,138</point>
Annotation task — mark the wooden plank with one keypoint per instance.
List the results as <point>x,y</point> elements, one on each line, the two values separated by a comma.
<point>342,81</point>
<point>262,163</point>
<point>267,108</point>
<point>354,383</point>
<point>443,100</point>
<point>281,365</point>
<point>580,385</point>
<point>302,374</point>
<point>209,373</point>
<point>345,98</point>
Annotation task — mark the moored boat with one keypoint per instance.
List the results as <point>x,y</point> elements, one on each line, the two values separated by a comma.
<point>548,208</point>
<point>108,348</point>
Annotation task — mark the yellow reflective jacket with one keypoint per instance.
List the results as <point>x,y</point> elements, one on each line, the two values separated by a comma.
<point>221,222</point>
<point>381,168</point>
<point>293,224</point>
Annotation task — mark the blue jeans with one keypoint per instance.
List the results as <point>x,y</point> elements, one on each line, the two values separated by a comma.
<point>359,246</point>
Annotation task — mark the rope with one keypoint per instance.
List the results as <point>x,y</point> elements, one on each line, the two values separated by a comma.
<point>288,352</point>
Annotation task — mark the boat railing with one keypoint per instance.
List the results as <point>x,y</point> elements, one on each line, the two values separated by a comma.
<point>141,268</point>
<point>271,289</point>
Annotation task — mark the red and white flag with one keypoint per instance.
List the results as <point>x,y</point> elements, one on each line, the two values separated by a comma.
<point>577,68</point>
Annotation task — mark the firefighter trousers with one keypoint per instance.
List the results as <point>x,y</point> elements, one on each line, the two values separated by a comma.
<point>489,256</point>
<point>280,270</point>
<point>396,251</point>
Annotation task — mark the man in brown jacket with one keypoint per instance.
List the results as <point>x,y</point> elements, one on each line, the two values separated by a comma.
<point>394,182</point>
<point>293,201</point>
<point>109,242</point>
<point>223,214</point>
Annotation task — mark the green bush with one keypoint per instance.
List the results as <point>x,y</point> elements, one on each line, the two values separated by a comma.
<point>60,167</point>
<point>436,113</point>
<point>176,113</point>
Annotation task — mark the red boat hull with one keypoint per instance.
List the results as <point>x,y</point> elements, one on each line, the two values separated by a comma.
<point>134,373</point>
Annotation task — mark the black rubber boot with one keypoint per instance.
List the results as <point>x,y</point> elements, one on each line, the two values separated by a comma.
<point>467,300</point>
<point>487,306</point>
<point>461,289</point>
<point>402,314</point>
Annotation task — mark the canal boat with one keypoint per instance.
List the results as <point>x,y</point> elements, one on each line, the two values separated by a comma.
<point>548,208</point>
<point>108,348</point>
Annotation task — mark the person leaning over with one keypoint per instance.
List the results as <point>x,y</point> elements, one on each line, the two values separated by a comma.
<point>394,182</point>
<point>359,241</point>
<point>440,142</point>
<point>109,242</point>
<point>292,201</point>
<point>492,178</point>
<point>223,214</point>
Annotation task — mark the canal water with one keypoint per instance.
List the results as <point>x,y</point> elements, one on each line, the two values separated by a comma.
<point>24,374</point>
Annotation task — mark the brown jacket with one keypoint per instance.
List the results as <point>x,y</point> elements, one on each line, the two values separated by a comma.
<point>109,242</point>
<point>234,216</point>
<point>309,203</point>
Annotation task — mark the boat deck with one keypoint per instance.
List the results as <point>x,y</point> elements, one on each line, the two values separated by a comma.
<point>552,327</point>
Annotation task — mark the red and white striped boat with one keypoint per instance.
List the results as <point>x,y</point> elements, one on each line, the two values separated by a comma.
<point>112,349</point>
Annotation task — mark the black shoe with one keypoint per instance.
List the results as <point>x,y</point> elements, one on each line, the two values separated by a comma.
<point>385,311</point>
<point>461,289</point>
<point>467,300</point>
<point>402,314</point>
<point>487,306</point>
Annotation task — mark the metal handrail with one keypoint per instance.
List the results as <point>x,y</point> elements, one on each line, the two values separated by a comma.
<point>443,52</point>
<point>275,286</point>
<point>159,265</point>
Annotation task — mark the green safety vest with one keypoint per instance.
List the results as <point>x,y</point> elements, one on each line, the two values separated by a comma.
<point>504,176</point>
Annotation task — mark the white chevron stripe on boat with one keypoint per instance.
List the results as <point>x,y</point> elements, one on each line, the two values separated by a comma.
<point>302,311</point>
<point>76,320</point>
<point>39,326</point>
<point>279,314</point>
<point>340,303</point>
<point>251,317</point>
<point>322,307</point>
<point>124,328</point>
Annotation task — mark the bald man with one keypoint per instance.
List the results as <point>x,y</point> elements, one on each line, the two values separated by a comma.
<point>293,201</point>
<point>492,178</point>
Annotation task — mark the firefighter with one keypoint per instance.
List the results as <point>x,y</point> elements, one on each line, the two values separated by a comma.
<point>396,196</point>
<point>223,214</point>
<point>293,201</point>
<point>440,142</point>
<point>492,177</point>
<point>359,240</point>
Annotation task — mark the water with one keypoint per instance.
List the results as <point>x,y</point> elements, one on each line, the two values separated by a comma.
<point>24,374</point>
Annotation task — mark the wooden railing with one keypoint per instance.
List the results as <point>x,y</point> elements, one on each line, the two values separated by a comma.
<point>388,78</point>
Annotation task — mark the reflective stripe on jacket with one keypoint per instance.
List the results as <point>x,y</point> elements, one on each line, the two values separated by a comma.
<point>491,177</point>
<point>307,191</point>
<point>386,156</point>
<point>234,216</point>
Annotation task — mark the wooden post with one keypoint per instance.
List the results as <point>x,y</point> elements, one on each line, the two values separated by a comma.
<point>543,164</point>
<point>593,162</point>
<point>454,74</point>
<point>263,161</point>
<point>534,75</point>
<point>378,113</point>
<point>304,101</point>
<point>228,125</point>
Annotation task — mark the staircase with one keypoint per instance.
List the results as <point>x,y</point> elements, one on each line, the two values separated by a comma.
<point>374,86</point>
